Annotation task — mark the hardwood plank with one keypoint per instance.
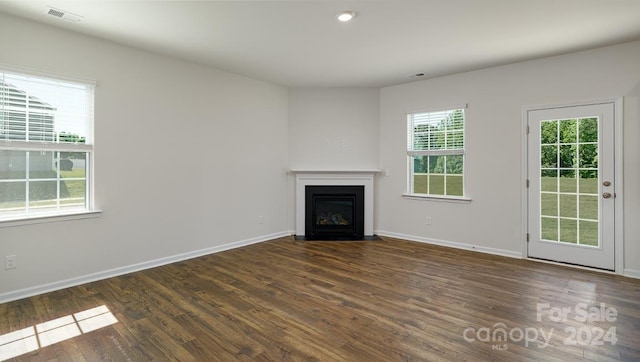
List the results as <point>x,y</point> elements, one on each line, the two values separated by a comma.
<point>383,300</point>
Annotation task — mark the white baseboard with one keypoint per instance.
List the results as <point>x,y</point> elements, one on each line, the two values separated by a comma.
<point>631,273</point>
<point>45,288</point>
<point>451,244</point>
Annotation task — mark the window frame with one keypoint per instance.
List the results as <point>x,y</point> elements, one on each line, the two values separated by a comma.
<point>88,147</point>
<point>411,153</point>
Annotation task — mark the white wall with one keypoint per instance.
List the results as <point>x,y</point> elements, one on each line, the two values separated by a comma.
<point>187,158</point>
<point>495,100</point>
<point>332,129</point>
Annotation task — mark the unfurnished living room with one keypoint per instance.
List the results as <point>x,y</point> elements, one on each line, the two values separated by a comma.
<point>320,180</point>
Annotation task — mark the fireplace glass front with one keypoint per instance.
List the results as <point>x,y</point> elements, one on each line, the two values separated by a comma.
<point>334,212</point>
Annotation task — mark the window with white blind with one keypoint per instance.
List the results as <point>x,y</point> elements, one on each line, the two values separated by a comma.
<point>435,151</point>
<point>46,146</point>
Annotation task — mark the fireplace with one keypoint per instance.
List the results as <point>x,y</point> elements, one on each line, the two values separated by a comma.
<point>334,212</point>
<point>304,178</point>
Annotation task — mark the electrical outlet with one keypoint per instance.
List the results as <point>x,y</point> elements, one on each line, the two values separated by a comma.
<point>10,262</point>
<point>427,221</point>
<point>260,220</point>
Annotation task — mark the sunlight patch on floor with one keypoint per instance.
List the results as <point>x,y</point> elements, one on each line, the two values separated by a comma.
<point>41,335</point>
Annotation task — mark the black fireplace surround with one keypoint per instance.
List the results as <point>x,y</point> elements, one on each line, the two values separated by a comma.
<point>334,212</point>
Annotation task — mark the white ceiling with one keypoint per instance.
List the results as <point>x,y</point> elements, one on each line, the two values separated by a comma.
<point>299,43</point>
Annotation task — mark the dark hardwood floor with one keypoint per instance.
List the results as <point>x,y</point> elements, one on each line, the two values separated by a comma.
<point>383,300</point>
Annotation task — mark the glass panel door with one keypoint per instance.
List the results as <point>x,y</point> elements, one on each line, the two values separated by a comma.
<point>571,197</point>
<point>569,181</point>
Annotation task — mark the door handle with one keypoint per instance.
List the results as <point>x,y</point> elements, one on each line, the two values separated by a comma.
<point>606,195</point>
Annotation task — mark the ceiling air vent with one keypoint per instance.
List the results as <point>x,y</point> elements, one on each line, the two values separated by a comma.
<point>64,15</point>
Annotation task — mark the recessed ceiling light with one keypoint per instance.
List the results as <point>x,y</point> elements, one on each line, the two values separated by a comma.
<point>346,15</point>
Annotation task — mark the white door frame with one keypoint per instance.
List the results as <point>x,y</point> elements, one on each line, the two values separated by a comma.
<point>618,182</point>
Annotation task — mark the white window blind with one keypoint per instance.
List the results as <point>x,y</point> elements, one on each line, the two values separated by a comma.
<point>436,133</point>
<point>35,109</point>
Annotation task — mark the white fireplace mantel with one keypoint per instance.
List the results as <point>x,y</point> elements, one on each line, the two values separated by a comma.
<point>335,178</point>
<point>338,172</point>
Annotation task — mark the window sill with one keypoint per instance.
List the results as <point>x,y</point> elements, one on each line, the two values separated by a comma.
<point>46,218</point>
<point>452,199</point>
